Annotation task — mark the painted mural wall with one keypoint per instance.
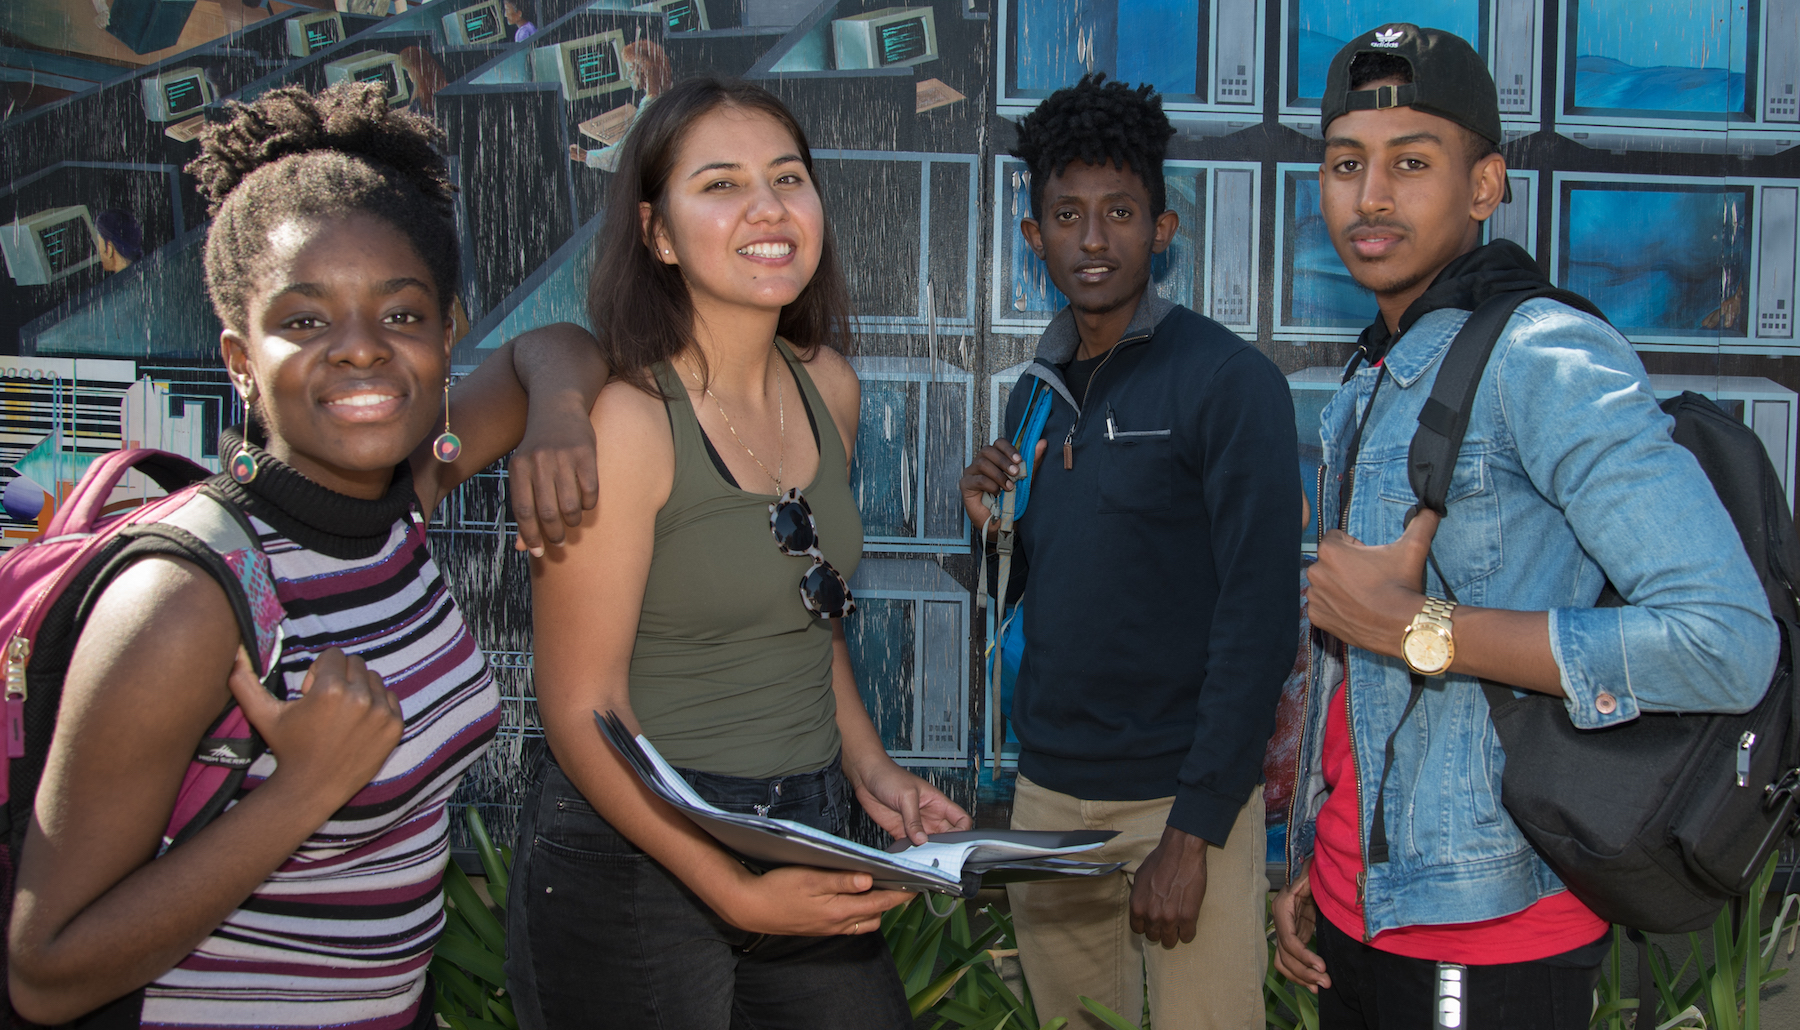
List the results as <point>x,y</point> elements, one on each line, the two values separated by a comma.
<point>1651,148</point>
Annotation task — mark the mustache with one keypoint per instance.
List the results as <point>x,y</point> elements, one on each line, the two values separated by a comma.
<point>1375,223</point>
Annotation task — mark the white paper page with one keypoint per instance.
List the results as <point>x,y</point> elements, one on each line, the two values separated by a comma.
<point>677,784</point>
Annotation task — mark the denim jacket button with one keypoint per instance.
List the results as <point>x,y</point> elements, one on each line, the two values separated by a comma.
<point>1606,703</point>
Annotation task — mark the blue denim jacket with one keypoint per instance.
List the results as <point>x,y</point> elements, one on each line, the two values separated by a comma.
<point>1567,477</point>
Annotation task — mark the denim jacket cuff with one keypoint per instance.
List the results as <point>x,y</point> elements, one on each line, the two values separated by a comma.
<point>1589,647</point>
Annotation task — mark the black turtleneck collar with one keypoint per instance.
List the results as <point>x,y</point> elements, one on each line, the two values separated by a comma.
<point>1498,267</point>
<point>311,515</point>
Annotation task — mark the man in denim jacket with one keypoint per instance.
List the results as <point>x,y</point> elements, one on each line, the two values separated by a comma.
<point>1567,478</point>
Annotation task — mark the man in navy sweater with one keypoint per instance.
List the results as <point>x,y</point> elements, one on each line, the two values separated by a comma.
<point>1158,570</point>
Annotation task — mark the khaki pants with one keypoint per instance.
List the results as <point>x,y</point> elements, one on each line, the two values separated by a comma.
<point>1075,935</point>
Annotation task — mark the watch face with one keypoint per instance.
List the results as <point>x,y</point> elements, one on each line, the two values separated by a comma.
<point>1427,649</point>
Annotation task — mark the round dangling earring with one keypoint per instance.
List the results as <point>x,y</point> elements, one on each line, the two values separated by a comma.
<point>243,463</point>
<point>446,447</point>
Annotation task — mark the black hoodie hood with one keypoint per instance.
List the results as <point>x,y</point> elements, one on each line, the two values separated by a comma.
<point>1487,271</point>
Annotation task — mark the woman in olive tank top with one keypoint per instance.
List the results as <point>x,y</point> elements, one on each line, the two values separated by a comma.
<point>702,603</point>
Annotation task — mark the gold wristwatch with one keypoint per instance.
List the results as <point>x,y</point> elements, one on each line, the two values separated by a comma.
<point>1428,645</point>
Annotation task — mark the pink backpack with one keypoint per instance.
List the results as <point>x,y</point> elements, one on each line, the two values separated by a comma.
<point>49,586</point>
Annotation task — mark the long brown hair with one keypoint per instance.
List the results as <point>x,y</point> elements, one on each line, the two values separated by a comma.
<point>639,307</point>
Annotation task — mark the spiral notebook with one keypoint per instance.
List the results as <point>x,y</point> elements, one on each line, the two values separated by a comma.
<point>958,864</point>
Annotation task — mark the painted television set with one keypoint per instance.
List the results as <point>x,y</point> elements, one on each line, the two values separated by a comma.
<point>1315,297</point>
<point>1505,32</point>
<point>476,25</point>
<point>907,232</point>
<point>1203,56</point>
<point>916,435</point>
<point>372,8</point>
<point>46,246</point>
<point>175,94</point>
<point>374,66</point>
<point>893,37</point>
<point>679,15</point>
<point>1712,76</point>
<point>909,646</point>
<point>1211,267</point>
<point>312,32</point>
<point>1681,263</point>
<point>585,67</point>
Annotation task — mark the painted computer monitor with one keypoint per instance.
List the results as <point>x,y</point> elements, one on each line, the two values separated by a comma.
<point>893,37</point>
<point>906,224</point>
<point>46,246</point>
<point>1505,32</point>
<point>476,25</point>
<point>175,94</point>
<point>1211,266</point>
<point>1203,56</point>
<point>1681,263</point>
<point>585,67</point>
<point>915,437</point>
<point>373,66</point>
<point>1711,76</point>
<point>909,646</point>
<point>679,15</point>
<point>310,33</point>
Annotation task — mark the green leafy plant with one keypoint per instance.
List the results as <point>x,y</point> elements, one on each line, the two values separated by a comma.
<point>952,972</point>
<point>469,965</point>
<point>1724,995</point>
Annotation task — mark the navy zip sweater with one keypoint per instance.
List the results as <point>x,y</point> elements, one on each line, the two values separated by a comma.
<point>1158,573</point>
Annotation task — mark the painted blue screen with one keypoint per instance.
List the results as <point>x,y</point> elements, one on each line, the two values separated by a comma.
<point>884,472</point>
<point>1685,57</point>
<point>1320,292</point>
<point>1322,27</point>
<point>1668,262</point>
<point>1056,42</point>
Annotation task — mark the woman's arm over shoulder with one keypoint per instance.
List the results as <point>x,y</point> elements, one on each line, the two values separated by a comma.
<point>529,397</point>
<point>836,379</point>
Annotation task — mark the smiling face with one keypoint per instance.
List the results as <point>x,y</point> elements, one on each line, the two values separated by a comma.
<point>1402,200</point>
<point>1097,235</point>
<point>344,350</point>
<point>741,216</point>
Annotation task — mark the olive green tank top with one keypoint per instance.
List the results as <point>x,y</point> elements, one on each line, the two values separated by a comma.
<point>731,674</point>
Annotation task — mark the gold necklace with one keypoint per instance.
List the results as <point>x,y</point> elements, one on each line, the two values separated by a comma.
<point>781,416</point>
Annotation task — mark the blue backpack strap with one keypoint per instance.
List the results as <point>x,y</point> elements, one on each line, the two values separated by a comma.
<point>1007,509</point>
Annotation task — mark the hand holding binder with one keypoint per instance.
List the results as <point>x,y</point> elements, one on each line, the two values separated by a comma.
<point>958,863</point>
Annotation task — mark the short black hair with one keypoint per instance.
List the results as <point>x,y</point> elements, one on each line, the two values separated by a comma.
<point>294,154</point>
<point>1368,67</point>
<point>1096,122</point>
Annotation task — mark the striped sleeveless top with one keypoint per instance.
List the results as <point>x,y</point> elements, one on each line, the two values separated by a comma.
<point>341,934</point>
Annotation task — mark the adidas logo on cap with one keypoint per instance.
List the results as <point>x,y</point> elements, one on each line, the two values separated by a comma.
<point>1388,38</point>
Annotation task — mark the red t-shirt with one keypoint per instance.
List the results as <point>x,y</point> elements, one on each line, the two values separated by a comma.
<point>1552,926</point>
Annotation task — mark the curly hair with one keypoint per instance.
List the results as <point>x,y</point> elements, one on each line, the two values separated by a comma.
<point>292,154</point>
<point>1094,122</point>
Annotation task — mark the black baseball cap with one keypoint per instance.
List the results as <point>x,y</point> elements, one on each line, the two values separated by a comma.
<point>1449,79</point>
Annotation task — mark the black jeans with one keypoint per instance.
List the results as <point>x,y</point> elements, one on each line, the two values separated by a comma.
<point>600,935</point>
<point>1375,990</point>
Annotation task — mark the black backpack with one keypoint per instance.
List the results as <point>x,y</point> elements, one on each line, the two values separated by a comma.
<point>1657,823</point>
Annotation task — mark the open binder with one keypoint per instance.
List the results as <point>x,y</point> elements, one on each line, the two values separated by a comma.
<point>957,864</point>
